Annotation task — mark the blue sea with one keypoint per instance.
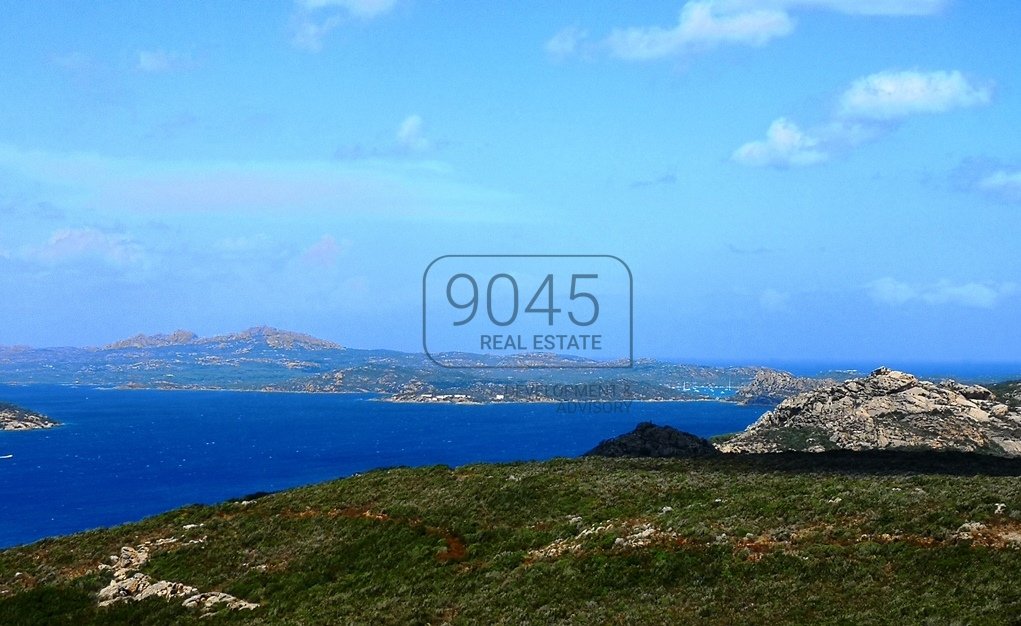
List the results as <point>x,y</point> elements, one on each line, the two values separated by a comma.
<point>122,455</point>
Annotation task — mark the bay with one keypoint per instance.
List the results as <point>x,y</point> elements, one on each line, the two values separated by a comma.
<point>121,455</point>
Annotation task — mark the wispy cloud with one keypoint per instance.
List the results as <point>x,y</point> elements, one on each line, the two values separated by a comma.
<point>850,7</point>
<point>31,210</point>
<point>706,24</point>
<point>313,20</point>
<point>409,140</point>
<point>250,249</point>
<point>310,32</point>
<point>359,8</point>
<point>985,295</point>
<point>871,107</point>
<point>393,187</point>
<point>1003,184</point>
<point>161,61</point>
<point>410,134</point>
<point>325,252</point>
<point>566,43</point>
<point>75,244</point>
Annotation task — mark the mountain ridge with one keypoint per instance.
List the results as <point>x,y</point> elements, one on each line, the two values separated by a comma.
<point>272,337</point>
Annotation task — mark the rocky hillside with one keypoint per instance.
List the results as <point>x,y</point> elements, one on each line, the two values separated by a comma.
<point>886,410</point>
<point>771,387</point>
<point>270,337</point>
<point>176,338</point>
<point>264,336</point>
<point>16,418</point>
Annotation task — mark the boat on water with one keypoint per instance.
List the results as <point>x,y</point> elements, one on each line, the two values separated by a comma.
<point>6,456</point>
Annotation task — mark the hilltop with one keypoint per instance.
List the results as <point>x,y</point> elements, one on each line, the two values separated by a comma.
<point>176,338</point>
<point>886,410</point>
<point>650,440</point>
<point>258,335</point>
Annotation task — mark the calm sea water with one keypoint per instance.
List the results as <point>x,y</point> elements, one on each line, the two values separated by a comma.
<point>124,455</point>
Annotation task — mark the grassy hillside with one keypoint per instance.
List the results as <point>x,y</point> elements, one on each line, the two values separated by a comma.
<point>788,538</point>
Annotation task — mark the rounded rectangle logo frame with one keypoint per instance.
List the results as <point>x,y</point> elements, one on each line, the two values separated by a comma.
<point>625,361</point>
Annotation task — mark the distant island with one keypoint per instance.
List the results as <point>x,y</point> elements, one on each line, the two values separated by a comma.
<point>268,359</point>
<point>14,417</point>
<point>263,358</point>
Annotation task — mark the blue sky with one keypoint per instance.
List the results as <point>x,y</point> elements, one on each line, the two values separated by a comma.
<point>787,179</point>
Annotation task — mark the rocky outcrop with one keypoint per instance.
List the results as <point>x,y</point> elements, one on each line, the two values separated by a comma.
<point>130,585</point>
<point>887,410</point>
<point>16,418</point>
<point>771,387</point>
<point>649,440</point>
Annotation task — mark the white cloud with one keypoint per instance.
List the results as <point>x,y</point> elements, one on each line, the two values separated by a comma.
<point>566,43</point>
<point>315,19</point>
<point>984,295</point>
<point>159,61</point>
<point>1003,183</point>
<point>705,24</point>
<point>871,107</point>
<point>698,27</point>
<point>850,7</point>
<point>785,145</point>
<point>69,244</point>
<point>410,136</point>
<point>309,34</point>
<point>893,95</point>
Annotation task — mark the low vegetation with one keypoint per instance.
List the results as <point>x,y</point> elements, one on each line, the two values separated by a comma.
<point>827,538</point>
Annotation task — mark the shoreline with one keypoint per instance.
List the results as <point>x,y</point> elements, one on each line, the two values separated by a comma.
<point>380,396</point>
